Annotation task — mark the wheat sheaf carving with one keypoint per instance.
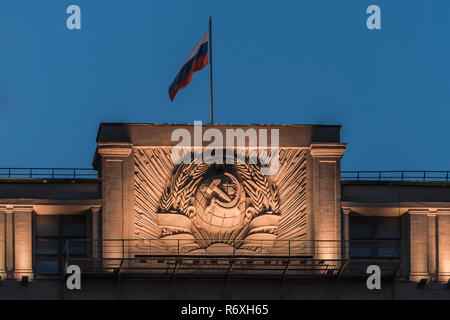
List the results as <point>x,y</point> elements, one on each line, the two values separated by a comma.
<point>263,196</point>
<point>182,187</point>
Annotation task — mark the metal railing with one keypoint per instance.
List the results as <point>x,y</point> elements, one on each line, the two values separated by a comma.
<point>143,247</point>
<point>180,258</point>
<point>138,248</point>
<point>47,173</point>
<point>412,176</point>
<point>83,173</point>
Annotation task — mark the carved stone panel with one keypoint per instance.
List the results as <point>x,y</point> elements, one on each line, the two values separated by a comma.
<point>220,209</point>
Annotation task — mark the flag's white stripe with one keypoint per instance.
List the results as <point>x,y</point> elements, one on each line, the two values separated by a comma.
<point>203,40</point>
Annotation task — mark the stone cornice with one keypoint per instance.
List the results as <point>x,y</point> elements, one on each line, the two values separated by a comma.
<point>9,208</point>
<point>430,212</point>
<point>327,149</point>
<point>114,149</point>
<point>417,211</point>
<point>408,205</point>
<point>12,203</point>
<point>23,208</point>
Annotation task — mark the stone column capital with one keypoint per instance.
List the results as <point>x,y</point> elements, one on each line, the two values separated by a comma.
<point>6,208</point>
<point>122,150</point>
<point>430,212</point>
<point>418,211</point>
<point>15,208</point>
<point>327,150</point>
<point>346,211</point>
<point>22,208</point>
<point>96,209</point>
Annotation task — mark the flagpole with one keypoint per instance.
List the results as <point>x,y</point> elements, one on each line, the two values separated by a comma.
<point>210,68</point>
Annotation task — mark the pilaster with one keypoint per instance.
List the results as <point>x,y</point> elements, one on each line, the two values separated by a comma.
<point>9,241</point>
<point>23,243</point>
<point>443,247</point>
<point>346,233</point>
<point>418,222</point>
<point>117,198</point>
<point>327,198</point>
<point>96,224</point>
<point>3,242</point>
<point>431,248</point>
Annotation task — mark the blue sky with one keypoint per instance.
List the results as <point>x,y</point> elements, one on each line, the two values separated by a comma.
<point>294,62</point>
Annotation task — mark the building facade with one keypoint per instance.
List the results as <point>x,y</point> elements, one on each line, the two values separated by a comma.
<point>141,214</point>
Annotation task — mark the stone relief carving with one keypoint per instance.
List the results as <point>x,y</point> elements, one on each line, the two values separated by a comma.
<point>219,208</point>
<point>220,201</point>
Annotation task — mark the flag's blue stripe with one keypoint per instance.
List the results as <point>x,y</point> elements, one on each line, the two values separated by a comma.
<point>202,51</point>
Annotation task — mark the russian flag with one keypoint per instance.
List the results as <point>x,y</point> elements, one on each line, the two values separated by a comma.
<point>197,60</point>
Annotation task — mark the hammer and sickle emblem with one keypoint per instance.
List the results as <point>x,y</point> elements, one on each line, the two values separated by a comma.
<point>214,190</point>
<point>228,198</point>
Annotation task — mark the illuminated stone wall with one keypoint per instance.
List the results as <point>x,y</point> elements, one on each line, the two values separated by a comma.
<point>244,208</point>
<point>232,208</point>
<point>16,259</point>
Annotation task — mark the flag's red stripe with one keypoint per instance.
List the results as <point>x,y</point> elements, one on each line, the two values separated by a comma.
<point>198,64</point>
